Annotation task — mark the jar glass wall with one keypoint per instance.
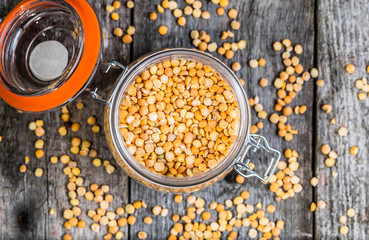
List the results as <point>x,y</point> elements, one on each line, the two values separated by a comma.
<point>142,174</point>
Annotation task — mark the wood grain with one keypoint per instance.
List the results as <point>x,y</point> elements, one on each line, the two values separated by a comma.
<point>25,200</point>
<point>261,24</point>
<point>342,31</point>
<point>332,33</point>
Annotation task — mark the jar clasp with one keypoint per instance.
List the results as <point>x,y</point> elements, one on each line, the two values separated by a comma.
<point>95,95</point>
<point>115,65</point>
<point>257,142</point>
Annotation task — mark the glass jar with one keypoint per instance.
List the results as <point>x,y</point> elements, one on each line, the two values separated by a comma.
<point>235,157</point>
<point>50,52</point>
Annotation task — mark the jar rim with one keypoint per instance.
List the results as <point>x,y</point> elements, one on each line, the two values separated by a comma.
<point>142,64</point>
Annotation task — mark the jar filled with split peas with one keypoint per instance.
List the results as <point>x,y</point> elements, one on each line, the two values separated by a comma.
<point>176,120</point>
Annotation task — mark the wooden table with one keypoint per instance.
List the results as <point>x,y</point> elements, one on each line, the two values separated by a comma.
<point>332,33</point>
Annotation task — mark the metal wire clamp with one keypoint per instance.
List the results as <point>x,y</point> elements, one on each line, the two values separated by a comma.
<point>257,142</point>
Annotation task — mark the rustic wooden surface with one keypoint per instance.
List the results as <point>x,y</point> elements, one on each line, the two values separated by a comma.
<point>342,32</point>
<point>332,34</point>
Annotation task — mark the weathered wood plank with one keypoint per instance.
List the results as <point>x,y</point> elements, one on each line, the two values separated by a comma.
<point>23,196</point>
<point>24,199</point>
<point>262,23</point>
<point>23,202</point>
<point>342,31</point>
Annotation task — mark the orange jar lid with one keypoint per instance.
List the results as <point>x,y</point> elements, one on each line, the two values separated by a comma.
<point>77,79</point>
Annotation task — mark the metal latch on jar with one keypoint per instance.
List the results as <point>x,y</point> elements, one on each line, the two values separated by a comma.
<point>94,94</point>
<point>257,142</point>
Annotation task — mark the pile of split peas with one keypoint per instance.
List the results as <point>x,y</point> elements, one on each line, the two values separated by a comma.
<point>180,118</point>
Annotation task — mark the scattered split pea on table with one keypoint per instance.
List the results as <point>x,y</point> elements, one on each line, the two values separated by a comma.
<point>303,65</point>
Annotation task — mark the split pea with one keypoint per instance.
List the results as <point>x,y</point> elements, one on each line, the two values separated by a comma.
<point>350,68</point>
<point>181,22</point>
<point>67,237</point>
<point>178,198</point>
<point>321,204</point>
<point>163,30</point>
<point>253,63</point>
<point>153,16</point>
<point>277,46</point>
<point>22,168</point>
<point>314,181</point>
<point>261,62</point>
<point>342,131</point>
<point>131,220</point>
<point>188,10</point>
<point>75,127</point>
<point>354,150</point>
<point>263,82</point>
<point>236,66</point>
<point>325,149</point>
<point>130,4</point>
<point>343,219</point>
<point>131,30</point>
<point>156,210</point>
<point>240,179</point>
<point>62,131</point>
<point>232,13</point>
<point>343,230</point>
<point>91,120</point>
<point>205,15</point>
<point>313,207</point>
<point>350,212</point>
<point>329,162</point>
<point>38,172</point>
<point>235,25</point>
<point>142,235</point>
<point>114,16</point>
<point>109,8</point>
<point>79,106</point>
<point>127,39</point>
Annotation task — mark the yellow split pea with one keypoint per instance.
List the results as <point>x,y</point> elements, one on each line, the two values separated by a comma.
<point>185,120</point>
<point>163,30</point>
<point>38,172</point>
<point>153,16</point>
